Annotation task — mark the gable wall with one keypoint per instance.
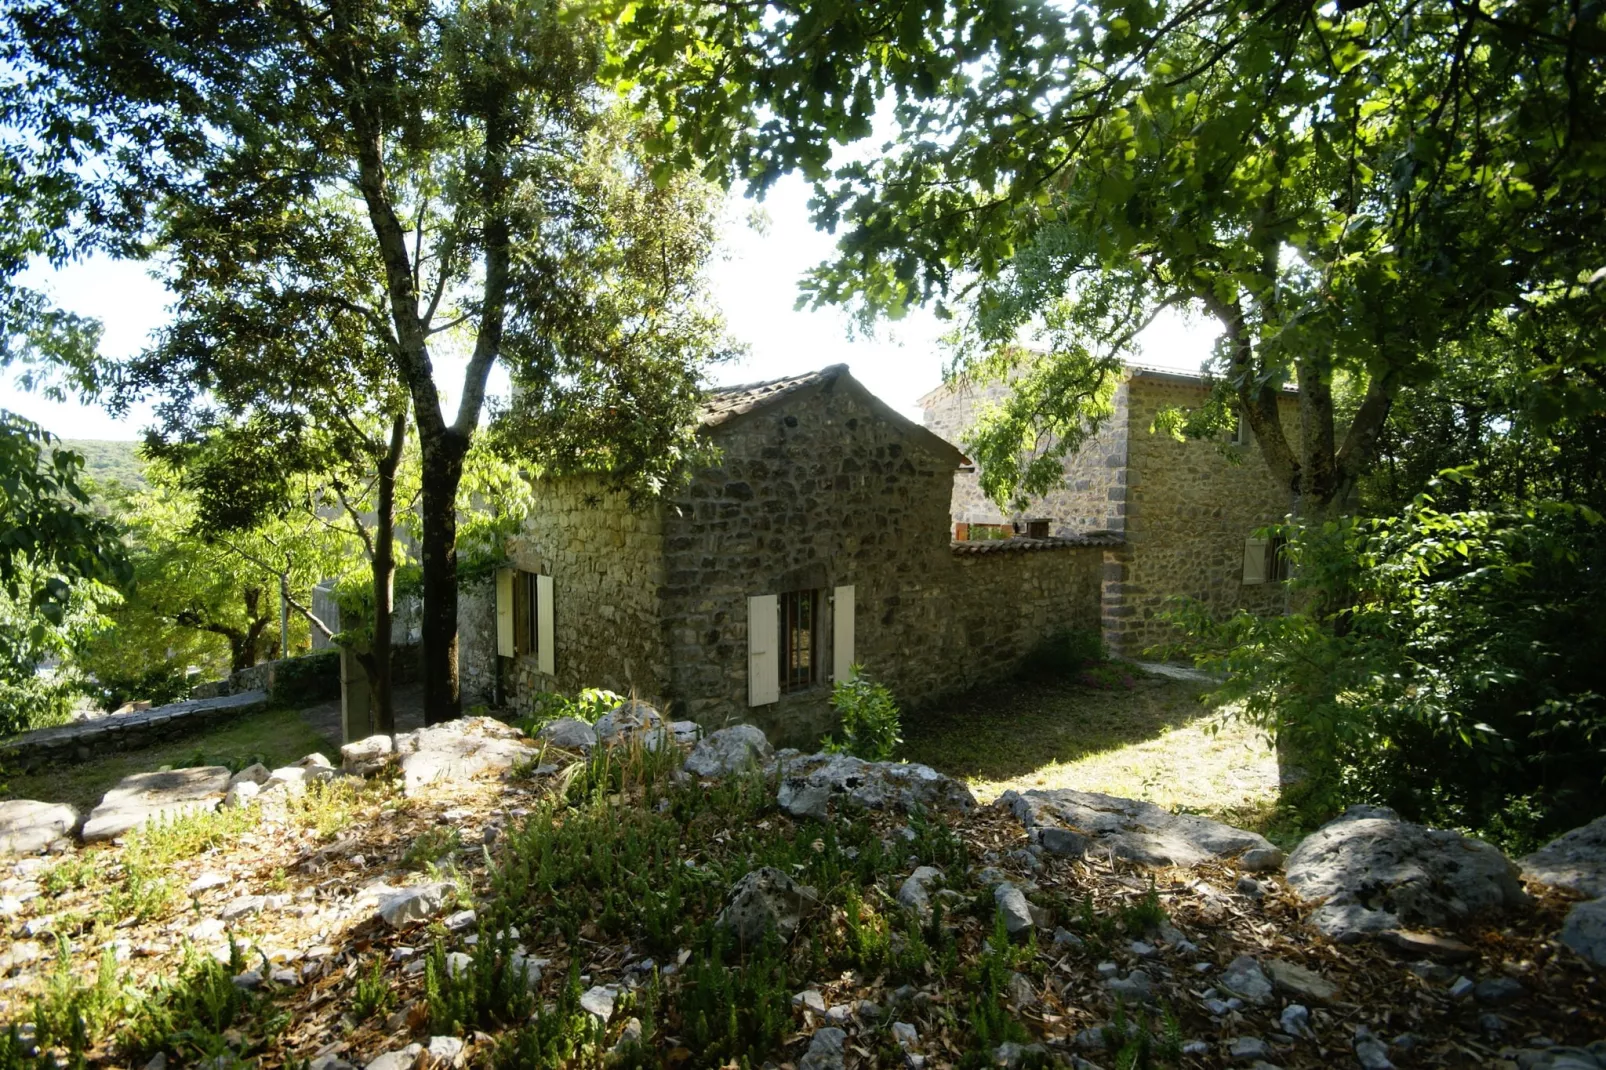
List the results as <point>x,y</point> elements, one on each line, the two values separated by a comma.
<point>1189,508</point>
<point>605,558</point>
<point>1088,500</point>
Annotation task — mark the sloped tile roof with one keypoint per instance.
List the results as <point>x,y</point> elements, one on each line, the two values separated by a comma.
<point>1022,544</point>
<point>728,402</point>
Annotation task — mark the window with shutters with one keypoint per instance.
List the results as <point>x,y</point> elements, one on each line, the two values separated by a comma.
<point>1276,559</point>
<point>526,613</point>
<point>800,640</point>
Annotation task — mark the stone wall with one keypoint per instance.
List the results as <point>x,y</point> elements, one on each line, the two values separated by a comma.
<point>477,673</point>
<point>1190,506</point>
<point>81,741</point>
<point>1088,500</point>
<point>827,488</point>
<point>606,562</point>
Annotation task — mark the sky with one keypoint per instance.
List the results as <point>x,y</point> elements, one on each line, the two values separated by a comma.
<point>755,283</point>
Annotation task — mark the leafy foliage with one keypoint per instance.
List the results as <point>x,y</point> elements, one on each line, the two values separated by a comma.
<point>869,718</point>
<point>1445,667</point>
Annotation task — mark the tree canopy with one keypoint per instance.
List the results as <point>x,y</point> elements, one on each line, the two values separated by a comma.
<point>1345,189</point>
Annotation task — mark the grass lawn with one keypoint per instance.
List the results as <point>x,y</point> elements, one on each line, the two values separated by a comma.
<point>273,737</point>
<point>1154,741</point>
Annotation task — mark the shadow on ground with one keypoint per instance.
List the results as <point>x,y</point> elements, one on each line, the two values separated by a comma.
<point>324,718</point>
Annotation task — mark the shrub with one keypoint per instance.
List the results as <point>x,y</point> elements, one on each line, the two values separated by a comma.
<point>587,706</point>
<point>311,677</point>
<point>869,718</point>
<point>1443,664</point>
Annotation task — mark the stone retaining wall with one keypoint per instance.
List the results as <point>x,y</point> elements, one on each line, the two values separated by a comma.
<point>83,740</point>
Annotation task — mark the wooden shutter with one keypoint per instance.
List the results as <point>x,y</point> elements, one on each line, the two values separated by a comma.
<point>1254,560</point>
<point>504,612</point>
<point>763,649</point>
<point>545,633</point>
<point>842,633</point>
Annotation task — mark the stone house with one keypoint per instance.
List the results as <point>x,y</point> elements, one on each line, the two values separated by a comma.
<point>821,539</point>
<point>1183,515</point>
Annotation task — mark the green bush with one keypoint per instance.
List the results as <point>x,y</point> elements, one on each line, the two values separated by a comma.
<point>588,705</point>
<point>1446,665</point>
<point>869,718</point>
<point>310,678</point>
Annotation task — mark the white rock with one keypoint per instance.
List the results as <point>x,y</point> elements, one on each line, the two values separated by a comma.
<point>1139,832</point>
<point>810,999</point>
<point>256,773</point>
<point>146,797</point>
<point>243,907</point>
<point>915,892</point>
<point>458,963</point>
<point>204,932</point>
<point>446,1051</point>
<point>1584,931</point>
<point>730,750</point>
<point>763,900</point>
<point>463,919</point>
<point>906,1035</point>
<point>460,750</point>
<point>1576,861</point>
<point>397,1060</point>
<point>570,733</point>
<point>241,794</point>
<point>28,827</point>
<point>599,1000</point>
<point>1017,911</point>
<point>811,785</point>
<point>631,721</point>
<point>686,732</point>
<point>367,756</point>
<point>205,882</point>
<point>408,906</point>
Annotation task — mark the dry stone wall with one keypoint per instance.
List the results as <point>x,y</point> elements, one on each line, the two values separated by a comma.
<point>476,641</point>
<point>1091,497</point>
<point>1190,506</point>
<point>605,558</point>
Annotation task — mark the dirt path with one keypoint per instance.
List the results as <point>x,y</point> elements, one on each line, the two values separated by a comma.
<point>324,718</point>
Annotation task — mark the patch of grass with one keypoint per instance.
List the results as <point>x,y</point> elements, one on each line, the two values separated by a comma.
<point>1155,742</point>
<point>187,835</point>
<point>274,737</point>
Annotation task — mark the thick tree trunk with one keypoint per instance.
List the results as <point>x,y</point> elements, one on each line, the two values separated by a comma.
<point>442,457</point>
<point>379,664</point>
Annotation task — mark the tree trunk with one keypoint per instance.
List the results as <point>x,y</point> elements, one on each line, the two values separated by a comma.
<point>284,615</point>
<point>442,457</point>
<point>378,666</point>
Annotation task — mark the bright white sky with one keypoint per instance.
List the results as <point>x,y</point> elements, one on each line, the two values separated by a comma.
<point>756,284</point>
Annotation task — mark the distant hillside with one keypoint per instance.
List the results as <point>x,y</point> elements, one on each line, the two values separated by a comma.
<point>109,460</point>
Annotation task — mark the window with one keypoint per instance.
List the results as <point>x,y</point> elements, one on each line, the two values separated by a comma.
<point>1037,529</point>
<point>1266,560</point>
<point>800,634</point>
<point>1241,435</point>
<point>526,613</point>
<point>1277,559</point>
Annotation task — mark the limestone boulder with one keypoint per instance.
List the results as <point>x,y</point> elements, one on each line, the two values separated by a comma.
<point>28,827</point>
<point>570,733</point>
<point>813,786</point>
<point>145,797</point>
<point>730,750</point>
<point>1575,861</point>
<point>1585,931</point>
<point>256,773</point>
<point>686,732</point>
<point>765,899</point>
<point>1367,872</point>
<point>632,721</point>
<point>459,751</point>
<point>402,907</point>
<point>365,757</point>
<point>1069,822</point>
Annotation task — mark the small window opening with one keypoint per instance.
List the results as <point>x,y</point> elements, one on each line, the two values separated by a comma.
<point>526,618</point>
<point>1241,434</point>
<point>1037,529</point>
<point>1277,559</point>
<point>800,647</point>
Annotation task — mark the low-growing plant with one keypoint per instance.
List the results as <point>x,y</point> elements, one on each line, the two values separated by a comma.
<point>1144,1041</point>
<point>195,1015</point>
<point>490,992</point>
<point>76,1016</point>
<point>870,728</point>
<point>431,846</point>
<point>70,874</point>
<point>588,705</point>
<point>373,993</point>
<point>1145,914</point>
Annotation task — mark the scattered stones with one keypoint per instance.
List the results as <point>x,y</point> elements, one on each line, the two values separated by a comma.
<point>255,773</point>
<point>459,921</point>
<point>1016,910</point>
<point>409,906</point>
<point>1247,1049</point>
<point>762,900</point>
<point>1136,831</point>
<point>1261,860</point>
<point>686,733</point>
<point>811,786</point>
<point>446,1051</point>
<point>1295,980</point>
<point>152,796</point>
<point>1020,991</point>
<point>905,1035</point>
<point>1010,1055</point>
<point>241,794</point>
<point>1067,940</point>
<point>1576,861</point>
<point>1249,887</point>
<point>249,980</point>
<point>1062,842</point>
<point>630,1035</point>
<point>1411,942</point>
<point>632,721</point>
<point>243,907</point>
<point>367,757</point>
<point>397,1060</point>
<point>1371,1052</point>
<point>458,963</point>
<point>1244,977</point>
<point>810,1000</point>
<point>1295,1021</point>
<point>28,827</point>
<point>1135,987</point>
<point>1584,931</point>
<point>460,750</point>
<point>915,893</point>
<point>1462,988</point>
<point>1498,991</point>
<point>570,733</point>
<point>598,1001</point>
<point>1367,871</point>
<point>825,1050</point>
<point>730,750</point>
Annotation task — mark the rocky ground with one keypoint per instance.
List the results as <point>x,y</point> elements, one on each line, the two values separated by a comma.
<point>616,894</point>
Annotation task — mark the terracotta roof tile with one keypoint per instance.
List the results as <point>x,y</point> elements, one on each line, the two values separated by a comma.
<point>728,402</point>
<point>1021,544</point>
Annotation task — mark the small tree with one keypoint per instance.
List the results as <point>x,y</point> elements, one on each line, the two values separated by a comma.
<point>869,718</point>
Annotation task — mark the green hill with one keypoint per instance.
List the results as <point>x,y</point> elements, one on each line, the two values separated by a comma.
<point>109,460</point>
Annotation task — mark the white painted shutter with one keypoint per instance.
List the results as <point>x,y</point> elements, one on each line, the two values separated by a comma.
<point>504,612</point>
<point>546,638</point>
<point>763,649</point>
<point>1254,560</point>
<point>842,634</point>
